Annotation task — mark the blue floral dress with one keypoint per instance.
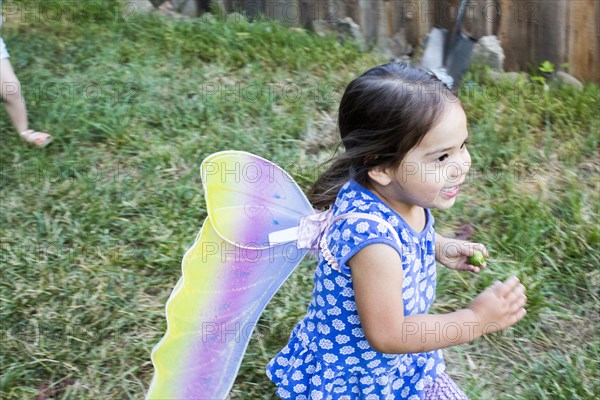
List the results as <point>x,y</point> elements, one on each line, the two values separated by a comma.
<point>328,356</point>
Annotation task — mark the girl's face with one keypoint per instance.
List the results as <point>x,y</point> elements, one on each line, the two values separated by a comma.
<point>431,173</point>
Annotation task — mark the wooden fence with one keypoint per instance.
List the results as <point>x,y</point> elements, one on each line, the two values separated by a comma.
<point>565,32</point>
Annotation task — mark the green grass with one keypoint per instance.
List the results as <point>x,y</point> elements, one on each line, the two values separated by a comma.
<point>95,226</point>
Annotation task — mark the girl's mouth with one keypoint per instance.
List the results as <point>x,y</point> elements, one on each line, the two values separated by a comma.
<point>451,191</point>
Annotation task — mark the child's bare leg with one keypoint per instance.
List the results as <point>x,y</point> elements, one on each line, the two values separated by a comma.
<point>10,89</point>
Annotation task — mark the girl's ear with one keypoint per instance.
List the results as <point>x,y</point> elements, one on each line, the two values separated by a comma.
<point>381,175</point>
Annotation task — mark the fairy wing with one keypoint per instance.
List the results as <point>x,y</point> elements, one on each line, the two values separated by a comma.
<point>249,198</point>
<point>229,275</point>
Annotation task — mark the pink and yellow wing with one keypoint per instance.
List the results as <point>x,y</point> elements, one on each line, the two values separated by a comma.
<point>229,275</point>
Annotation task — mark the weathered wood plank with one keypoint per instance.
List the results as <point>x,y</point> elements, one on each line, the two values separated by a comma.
<point>560,31</point>
<point>311,10</point>
<point>583,40</point>
<point>368,19</point>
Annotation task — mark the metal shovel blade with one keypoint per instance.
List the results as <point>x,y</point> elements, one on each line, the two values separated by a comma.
<point>459,56</point>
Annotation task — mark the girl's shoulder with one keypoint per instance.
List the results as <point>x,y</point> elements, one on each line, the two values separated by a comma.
<point>355,198</point>
<point>359,219</point>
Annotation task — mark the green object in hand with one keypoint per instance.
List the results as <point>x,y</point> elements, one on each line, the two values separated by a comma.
<point>477,259</point>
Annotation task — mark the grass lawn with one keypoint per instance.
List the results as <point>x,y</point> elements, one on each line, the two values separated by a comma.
<point>94,227</point>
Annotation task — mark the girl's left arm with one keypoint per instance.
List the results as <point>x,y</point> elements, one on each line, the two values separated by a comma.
<point>453,253</point>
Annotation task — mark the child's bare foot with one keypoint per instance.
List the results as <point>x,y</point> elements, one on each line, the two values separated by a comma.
<point>38,139</point>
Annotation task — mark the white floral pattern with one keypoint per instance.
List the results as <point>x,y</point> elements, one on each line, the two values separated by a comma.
<point>334,361</point>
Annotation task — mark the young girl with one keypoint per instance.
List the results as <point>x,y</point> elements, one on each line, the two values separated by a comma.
<point>367,333</point>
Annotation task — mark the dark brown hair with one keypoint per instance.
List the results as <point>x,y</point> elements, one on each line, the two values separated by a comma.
<point>383,114</point>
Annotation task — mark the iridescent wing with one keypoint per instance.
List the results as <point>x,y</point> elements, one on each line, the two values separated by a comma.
<point>229,275</point>
<point>248,198</point>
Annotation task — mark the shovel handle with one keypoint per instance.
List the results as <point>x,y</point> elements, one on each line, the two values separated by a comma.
<point>460,15</point>
<point>452,35</point>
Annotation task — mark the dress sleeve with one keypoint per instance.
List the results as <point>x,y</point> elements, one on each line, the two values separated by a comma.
<point>348,236</point>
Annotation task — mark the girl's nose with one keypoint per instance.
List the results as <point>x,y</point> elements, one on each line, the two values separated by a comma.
<point>456,170</point>
<point>466,161</point>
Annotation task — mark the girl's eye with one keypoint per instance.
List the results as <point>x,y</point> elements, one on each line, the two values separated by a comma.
<point>464,144</point>
<point>442,158</point>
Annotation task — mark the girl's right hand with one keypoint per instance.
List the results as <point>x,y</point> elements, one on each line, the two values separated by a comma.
<point>500,306</point>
